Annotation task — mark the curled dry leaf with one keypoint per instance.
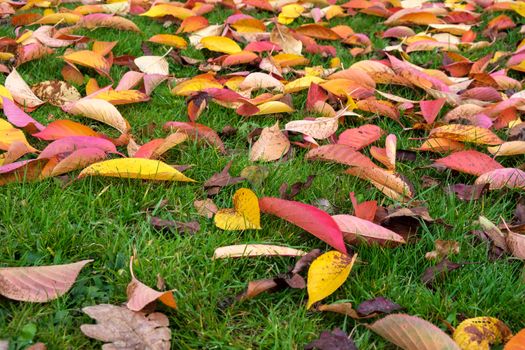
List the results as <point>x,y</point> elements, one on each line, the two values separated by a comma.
<point>481,333</point>
<point>135,168</point>
<point>249,250</point>
<point>245,214</point>
<point>326,274</point>
<point>307,217</point>
<point>354,229</point>
<point>39,283</point>
<point>99,110</point>
<point>21,92</point>
<point>413,333</point>
<point>140,295</point>
<point>390,184</point>
<point>122,328</point>
<point>271,145</point>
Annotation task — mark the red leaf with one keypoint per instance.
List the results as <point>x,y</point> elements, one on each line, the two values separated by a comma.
<point>197,131</point>
<point>307,217</point>
<point>364,210</point>
<point>469,162</point>
<point>430,109</point>
<point>360,137</point>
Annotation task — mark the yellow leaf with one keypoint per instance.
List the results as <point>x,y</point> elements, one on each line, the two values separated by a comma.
<point>135,168</point>
<point>519,7</point>
<point>6,56</point>
<point>273,107</point>
<point>9,134</point>
<point>302,83</point>
<point>289,60</point>
<point>62,17</point>
<point>245,214</point>
<point>466,133</point>
<point>327,273</point>
<point>89,59</point>
<point>509,148</point>
<point>4,93</point>
<point>249,25</point>
<point>170,40</point>
<point>194,85</point>
<point>292,10</point>
<point>480,332</point>
<point>220,44</point>
<point>162,10</point>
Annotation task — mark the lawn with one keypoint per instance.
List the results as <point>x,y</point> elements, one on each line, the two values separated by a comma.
<point>107,220</point>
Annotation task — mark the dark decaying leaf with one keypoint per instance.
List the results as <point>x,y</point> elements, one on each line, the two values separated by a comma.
<point>403,221</point>
<point>289,192</point>
<point>468,192</point>
<point>439,271</point>
<point>334,340</point>
<point>290,279</point>
<point>219,180</point>
<point>377,305</point>
<point>494,252</point>
<point>190,227</point>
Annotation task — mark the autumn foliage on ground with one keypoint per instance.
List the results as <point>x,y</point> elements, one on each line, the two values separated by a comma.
<point>393,136</point>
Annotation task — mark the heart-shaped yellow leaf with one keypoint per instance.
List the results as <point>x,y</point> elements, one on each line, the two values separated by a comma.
<point>245,214</point>
<point>327,273</point>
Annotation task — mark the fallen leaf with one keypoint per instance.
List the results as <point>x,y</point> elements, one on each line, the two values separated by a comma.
<point>379,305</point>
<point>140,295</point>
<point>191,227</point>
<point>481,333</point>
<point>99,110</point>
<point>354,229</point>
<point>21,92</point>
<point>341,154</point>
<point>326,274</point>
<point>307,217</point>
<point>517,342</point>
<point>135,168</point>
<point>334,340</point>
<point>438,271</point>
<point>56,92</point>
<point>442,249</point>
<point>220,44</point>
<point>466,133</point>
<point>244,215</point>
<point>295,189</point>
<point>500,178</point>
<point>390,184</point>
<point>468,192</point>
<point>412,333</point>
<point>205,207</point>
<point>271,145</point>
<point>120,327</point>
<point>249,250</point>
<point>320,128</point>
<point>221,179</point>
<point>255,174</point>
<point>152,65</point>
<point>39,284</point>
<point>470,162</point>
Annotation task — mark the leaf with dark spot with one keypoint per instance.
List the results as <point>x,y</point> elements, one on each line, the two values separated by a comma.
<point>377,305</point>
<point>334,340</point>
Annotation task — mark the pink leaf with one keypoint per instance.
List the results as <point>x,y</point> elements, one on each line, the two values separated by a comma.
<point>354,228</point>
<point>307,217</point>
<point>39,283</point>
<point>430,109</point>
<point>500,178</point>
<point>73,143</point>
<point>18,117</point>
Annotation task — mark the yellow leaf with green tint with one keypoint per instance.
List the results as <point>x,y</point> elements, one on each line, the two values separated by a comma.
<point>169,40</point>
<point>245,214</point>
<point>327,273</point>
<point>220,44</point>
<point>135,168</point>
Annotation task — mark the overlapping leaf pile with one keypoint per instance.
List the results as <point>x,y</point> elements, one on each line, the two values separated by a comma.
<point>468,116</point>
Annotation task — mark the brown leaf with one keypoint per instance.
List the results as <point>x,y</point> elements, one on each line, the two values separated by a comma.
<point>443,249</point>
<point>271,145</point>
<point>122,328</point>
<point>205,207</point>
<point>255,174</point>
<point>439,271</point>
<point>295,189</point>
<point>190,227</point>
<point>334,340</point>
<point>38,283</point>
<point>404,221</point>
<point>36,346</point>
<point>377,306</point>
<point>219,180</point>
<point>257,287</point>
<point>468,192</point>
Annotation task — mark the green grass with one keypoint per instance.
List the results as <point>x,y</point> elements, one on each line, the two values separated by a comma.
<point>106,220</point>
